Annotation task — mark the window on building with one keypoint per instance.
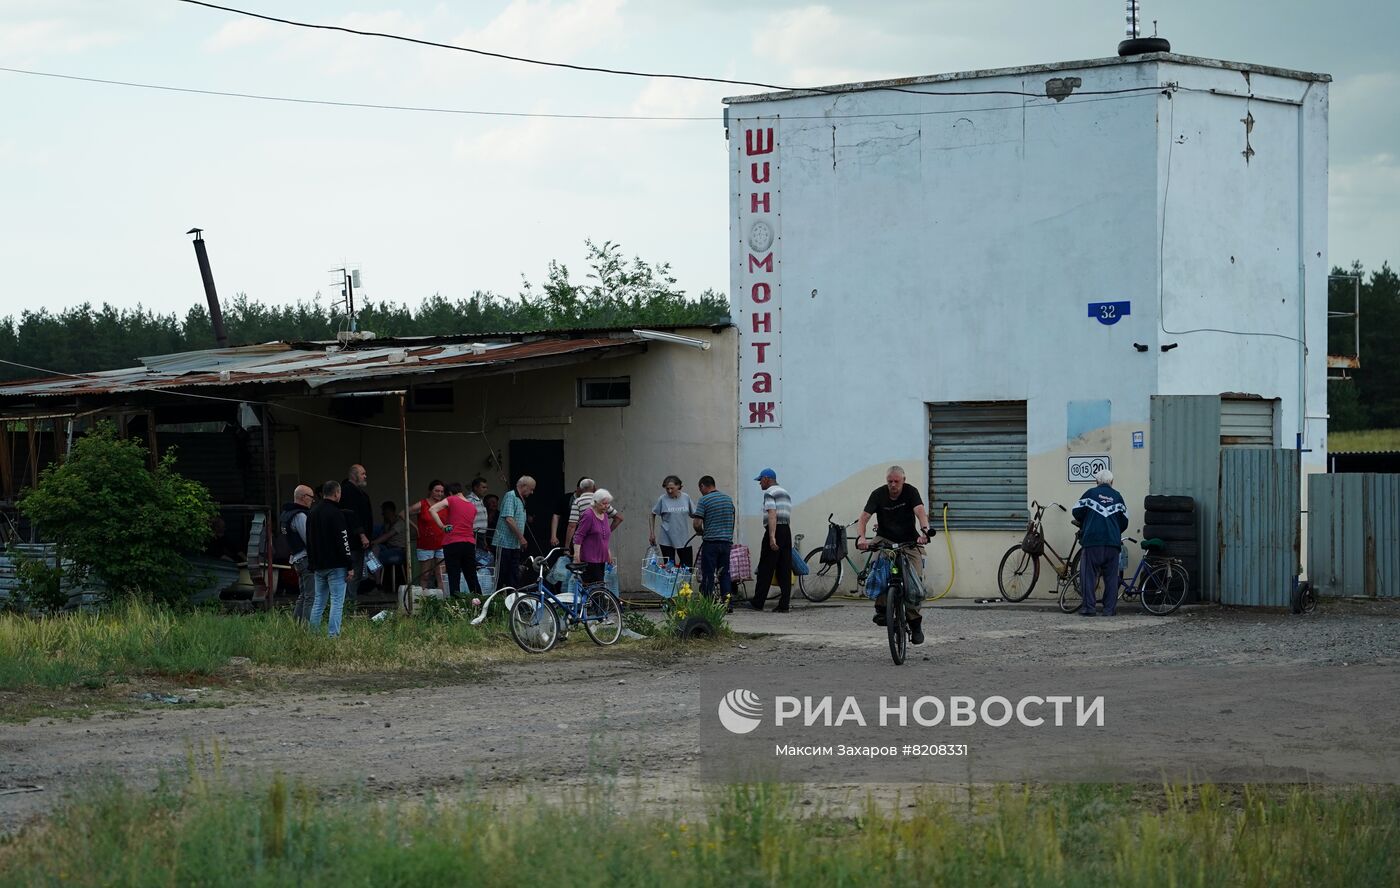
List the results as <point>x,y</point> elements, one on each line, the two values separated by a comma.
<point>1247,422</point>
<point>977,464</point>
<point>430,398</point>
<point>610,391</point>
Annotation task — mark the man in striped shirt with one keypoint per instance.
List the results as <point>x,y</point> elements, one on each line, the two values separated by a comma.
<point>776,551</point>
<point>714,518</point>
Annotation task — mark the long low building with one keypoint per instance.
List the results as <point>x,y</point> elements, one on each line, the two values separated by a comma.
<point>624,407</point>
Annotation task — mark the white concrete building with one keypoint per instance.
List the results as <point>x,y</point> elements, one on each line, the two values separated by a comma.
<point>991,277</point>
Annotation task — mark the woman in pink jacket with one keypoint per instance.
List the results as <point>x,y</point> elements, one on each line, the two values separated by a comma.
<point>592,539</point>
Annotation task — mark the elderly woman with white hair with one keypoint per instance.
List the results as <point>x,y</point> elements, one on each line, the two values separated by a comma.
<point>1102,517</point>
<point>593,537</point>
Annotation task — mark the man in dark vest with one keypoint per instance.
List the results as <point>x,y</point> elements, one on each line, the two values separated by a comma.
<point>291,524</point>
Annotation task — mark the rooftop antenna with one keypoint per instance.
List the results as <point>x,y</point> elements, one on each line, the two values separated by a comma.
<point>349,279</point>
<point>1136,44</point>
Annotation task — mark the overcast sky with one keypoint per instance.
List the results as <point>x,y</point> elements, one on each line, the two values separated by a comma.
<point>98,184</point>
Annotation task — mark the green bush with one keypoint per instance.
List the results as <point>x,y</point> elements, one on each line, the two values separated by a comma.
<point>687,603</point>
<point>117,519</point>
<point>40,585</point>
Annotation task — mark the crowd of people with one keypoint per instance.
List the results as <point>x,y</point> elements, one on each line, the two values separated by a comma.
<point>333,542</point>
<point>330,538</point>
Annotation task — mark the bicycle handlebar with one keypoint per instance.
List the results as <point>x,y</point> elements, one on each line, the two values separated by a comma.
<point>874,546</point>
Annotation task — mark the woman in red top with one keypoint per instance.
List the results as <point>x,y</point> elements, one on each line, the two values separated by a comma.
<point>429,543</point>
<point>458,542</point>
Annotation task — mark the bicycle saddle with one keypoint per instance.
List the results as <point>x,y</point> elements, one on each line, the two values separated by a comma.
<point>1153,545</point>
<point>575,567</point>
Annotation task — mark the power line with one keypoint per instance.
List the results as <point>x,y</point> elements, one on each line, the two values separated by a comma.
<point>336,104</point>
<point>647,74</point>
<point>425,109</point>
<point>481,52</point>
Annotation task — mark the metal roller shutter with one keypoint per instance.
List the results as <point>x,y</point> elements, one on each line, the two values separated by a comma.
<point>977,464</point>
<point>1247,422</point>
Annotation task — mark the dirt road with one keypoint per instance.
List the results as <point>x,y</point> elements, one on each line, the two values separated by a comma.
<point>561,719</point>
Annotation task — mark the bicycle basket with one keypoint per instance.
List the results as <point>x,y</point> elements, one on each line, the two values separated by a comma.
<point>1033,543</point>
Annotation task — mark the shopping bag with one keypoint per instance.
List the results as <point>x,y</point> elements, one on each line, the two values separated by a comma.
<point>878,577</point>
<point>834,549</point>
<point>560,571</point>
<point>740,565</point>
<point>799,567</point>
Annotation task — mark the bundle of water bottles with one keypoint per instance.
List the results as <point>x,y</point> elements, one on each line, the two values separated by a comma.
<point>662,576</point>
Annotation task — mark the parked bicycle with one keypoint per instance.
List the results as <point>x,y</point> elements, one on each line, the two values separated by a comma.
<point>1019,569</point>
<point>1160,581</point>
<point>822,580</point>
<point>539,618</point>
<point>896,622</point>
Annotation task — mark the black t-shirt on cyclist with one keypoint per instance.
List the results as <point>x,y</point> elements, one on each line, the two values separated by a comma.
<point>896,516</point>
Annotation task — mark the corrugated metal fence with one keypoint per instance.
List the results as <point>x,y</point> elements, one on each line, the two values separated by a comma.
<point>1260,493</point>
<point>1185,461</point>
<point>1354,535</point>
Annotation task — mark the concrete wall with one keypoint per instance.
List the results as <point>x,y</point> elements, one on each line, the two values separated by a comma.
<point>680,421</point>
<point>949,252</point>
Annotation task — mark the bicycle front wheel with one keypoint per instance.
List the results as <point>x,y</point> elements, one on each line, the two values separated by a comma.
<point>1164,589</point>
<point>1070,596</point>
<point>1017,574</point>
<point>894,623</point>
<point>603,617</point>
<point>533,624</point>
<point>822,580</point>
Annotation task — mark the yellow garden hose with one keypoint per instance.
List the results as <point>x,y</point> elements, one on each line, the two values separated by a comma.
<point>952,563</point>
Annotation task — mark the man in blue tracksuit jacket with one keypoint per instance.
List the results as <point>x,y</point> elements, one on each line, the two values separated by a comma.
<point>1102,519</point>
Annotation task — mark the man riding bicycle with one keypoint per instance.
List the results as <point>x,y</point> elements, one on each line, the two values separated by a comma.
<point>902,519</point>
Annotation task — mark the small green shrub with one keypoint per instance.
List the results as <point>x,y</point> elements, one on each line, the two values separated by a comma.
<point>687,603</point>
<point>116,518</point>
<point>40,585</point>
<point>638,623</point>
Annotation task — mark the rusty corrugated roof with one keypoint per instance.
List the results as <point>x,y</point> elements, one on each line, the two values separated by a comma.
<point>313,367</point>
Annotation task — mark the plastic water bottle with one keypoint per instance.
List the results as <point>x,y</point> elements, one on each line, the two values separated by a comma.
<point>1122,561</point>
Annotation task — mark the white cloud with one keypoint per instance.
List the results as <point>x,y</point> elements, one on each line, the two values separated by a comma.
<point>242,32</point>
<point>547,30</point>
<point>35,39</point>
<point>1364,210</point>
<point>679,98</point>
<point>1365,114</point>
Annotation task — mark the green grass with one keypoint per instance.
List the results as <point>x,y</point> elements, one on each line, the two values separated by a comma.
<point>206,833</point>
<point>140,640</point>
<point>1364,440</point>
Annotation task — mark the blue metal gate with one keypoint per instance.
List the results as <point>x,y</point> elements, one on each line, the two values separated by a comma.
<point>1353,528</point>
<point>1259,515</point>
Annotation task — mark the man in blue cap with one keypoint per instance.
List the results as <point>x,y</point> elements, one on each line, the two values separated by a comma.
<point>776,550</point>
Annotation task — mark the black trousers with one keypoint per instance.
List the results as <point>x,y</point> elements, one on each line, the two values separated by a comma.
<point>685,557</point>
<point>461,558</point>
<point>770,561</point>
<point>593,573</point>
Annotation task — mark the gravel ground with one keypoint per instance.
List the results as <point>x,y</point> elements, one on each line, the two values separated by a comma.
<point>538,725</point>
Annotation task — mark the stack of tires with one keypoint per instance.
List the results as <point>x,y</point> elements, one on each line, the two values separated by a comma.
<point>1172,519</point>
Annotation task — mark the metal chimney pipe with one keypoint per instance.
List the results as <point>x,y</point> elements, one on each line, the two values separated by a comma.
<point>216,316</point>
